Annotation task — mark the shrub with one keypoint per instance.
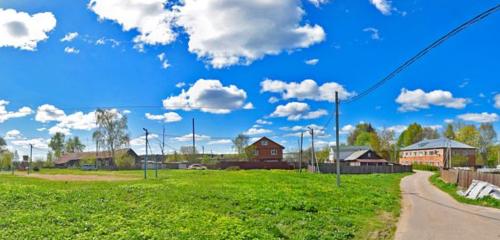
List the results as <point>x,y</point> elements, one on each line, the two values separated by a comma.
<point>233,168</point>
<point>425,167</point>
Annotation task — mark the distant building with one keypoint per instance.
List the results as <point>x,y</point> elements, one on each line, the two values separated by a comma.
<point>357,156</point>
<point>266,150</point>
<point>103,159</point>
<point>434,152</point>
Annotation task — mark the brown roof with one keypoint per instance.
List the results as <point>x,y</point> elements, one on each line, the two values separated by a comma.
<point>262,138</point>
<point>82,155</point>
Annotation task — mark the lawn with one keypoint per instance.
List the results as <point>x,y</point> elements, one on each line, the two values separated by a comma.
<point>201,205</point>
<point>451,189</point>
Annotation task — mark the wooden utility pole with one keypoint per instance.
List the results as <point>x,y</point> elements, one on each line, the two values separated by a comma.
<point>313,153</point>
<point>146,156</point>
<point>194,143</point>
<point>31,159</point>
<point>300,155</point>
<point>337,153</point>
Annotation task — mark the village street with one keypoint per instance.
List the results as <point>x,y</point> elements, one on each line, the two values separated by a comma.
<point>429,213</point>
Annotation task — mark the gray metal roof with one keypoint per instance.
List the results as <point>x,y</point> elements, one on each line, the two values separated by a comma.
<point>346,151</point>
<point>356,155</point>
<point>437,143</point>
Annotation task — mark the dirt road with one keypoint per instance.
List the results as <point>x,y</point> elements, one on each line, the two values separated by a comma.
<point>429,213</point>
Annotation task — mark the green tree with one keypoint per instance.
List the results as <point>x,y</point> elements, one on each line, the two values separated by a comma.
<point>57,144</point>
<point>386,138</point>
<point>240,142</point>
<point>112,127</point>
<point>3,144</point>
<point>124,161</point>
<point>487,138</point>
<point>429,133</point>
<point>6,160</point>
<point>323,154</point>
<point>412,134</point>
<point>360,128</point>
<point>249,152</point>
<point>469,135</point>
<point>449,132</point>
<point>363,139</point>
<point>74,145</point>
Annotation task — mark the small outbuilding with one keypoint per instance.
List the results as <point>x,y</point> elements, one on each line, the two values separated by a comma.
<point>358,156</point>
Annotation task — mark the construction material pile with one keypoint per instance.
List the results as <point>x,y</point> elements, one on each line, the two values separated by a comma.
<point>479,189</point>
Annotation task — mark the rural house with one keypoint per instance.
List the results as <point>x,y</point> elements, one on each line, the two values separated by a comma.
<point>434,152</point>
<point>103,159</point>
<point>357,156</point>
<point>266,150</point>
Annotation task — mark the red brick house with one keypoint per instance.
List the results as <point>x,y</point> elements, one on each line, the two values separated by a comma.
<point>434,152</point>
<point>266,150</point>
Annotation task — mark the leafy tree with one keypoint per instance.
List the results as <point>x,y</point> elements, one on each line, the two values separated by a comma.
<point>249,152</point>
<point>363,139</point>
<point>187,153</point>
<point>112,128</point>
<point>469,135</point>
<point>73,145</point>
<point>449,132</point>
<point>487,138</point>
<point>386,138</point>
<point>323,154</point>
<point>49,162</point>
<point>2,144</point>
<point>57,144</point>
<point>429,133</point>
<point>360,128</point>
<point>411,135</point>
<point>124,161</point>
<point>6,160</point>
<point>240,142</point>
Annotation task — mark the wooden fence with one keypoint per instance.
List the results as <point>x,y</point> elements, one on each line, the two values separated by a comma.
<point>463,178</point>
<point>345,169</point>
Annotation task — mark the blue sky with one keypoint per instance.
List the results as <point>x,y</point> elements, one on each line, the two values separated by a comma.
<point>231,57</point>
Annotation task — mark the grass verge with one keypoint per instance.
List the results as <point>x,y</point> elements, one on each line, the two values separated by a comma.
<point>451,189</point>
<point>202,205</point>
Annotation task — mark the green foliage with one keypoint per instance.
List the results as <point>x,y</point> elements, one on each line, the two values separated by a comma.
<point>425,167</point>
<point>249,153</point>
<point>57,144</point>
<point>201,205</point>
<point>49,162</point>
<point>6,160</point>
<point>240,142</point>
<point>360,129</point>
<point>412,134</point>
<point>124,161</point>
<point>363,139</point>
<point>449,132</point>
<point>232,168</point>
<point>452,190</point>
<point>73,145</point>
<point>469,135</point>
<point>89,160</point>
<point>323,154</point>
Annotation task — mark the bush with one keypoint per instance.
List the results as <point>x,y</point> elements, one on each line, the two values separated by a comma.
<point>233,168</point>
<point>36,169</point>
<point>425,167</point>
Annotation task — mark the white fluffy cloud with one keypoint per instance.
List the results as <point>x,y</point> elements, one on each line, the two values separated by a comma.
<point>77,121</point>
<point>166,117</point>
<point>220,142</point>
<point>6,115</point>
<point>24,31</point>
<point>148,17</point>
<point>312,62</point>
<point>263,122</point>
<point>228,32</point>
<point>38,143</point>
<point>189,137</point>
<point>256,131</point>
<point>347,129</point>
<point>208,96</point>
<point>295,111</point>
<point>479,117</point>
<point>141,141</point>
<point>384,6</point>
<point>13,134</point>
<point>419,99</point>
<point>71,50</point>
<point>374,33</point>
<point>69,37</point>
<point>180,84</point>
<point>497,100</point>
<point>307,89</point>
<point>397,128</point>
<point>319,131</point>
<point>163,60</point>
<point>317,3</point>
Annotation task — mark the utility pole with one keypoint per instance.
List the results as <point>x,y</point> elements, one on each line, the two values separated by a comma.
<point>96,153</point>
<point>300,155</point>
<point>337,136</point>
<point>31,159</point>
<point>146,157</point>
<point>194,143</point>
<point>313,154</point>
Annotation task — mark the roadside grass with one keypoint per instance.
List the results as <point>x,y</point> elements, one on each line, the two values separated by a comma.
<point>452,189</point>
<point>201,205</point>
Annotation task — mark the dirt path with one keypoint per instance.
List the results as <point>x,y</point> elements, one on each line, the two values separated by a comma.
<point>78,178</point>
<point>429,213</point>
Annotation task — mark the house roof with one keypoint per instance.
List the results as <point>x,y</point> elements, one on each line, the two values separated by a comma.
<point>356,155</point>
<point>82,155</point>
<point>346,151</point>
<point>437,143</point>
<point>266,138</point>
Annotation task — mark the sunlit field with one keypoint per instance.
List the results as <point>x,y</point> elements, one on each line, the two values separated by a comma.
<point>200,205</point>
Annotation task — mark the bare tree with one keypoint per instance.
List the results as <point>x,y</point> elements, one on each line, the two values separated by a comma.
<point>111,130</point>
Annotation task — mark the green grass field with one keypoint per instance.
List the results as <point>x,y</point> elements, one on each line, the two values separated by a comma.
<point>201,205</point>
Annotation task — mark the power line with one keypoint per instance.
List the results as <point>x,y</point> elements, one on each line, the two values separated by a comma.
<point>423,52</point>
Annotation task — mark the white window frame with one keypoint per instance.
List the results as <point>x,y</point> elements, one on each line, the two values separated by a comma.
<point>264,143</point>
<point>274,152</point>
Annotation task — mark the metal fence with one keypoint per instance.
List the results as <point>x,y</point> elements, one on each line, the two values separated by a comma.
<point>345,169</point>
<point>463,178</point>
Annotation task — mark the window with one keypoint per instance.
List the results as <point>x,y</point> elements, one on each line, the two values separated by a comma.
<point>274,152</point>
<point>264,143</point>
<point>256,152</point>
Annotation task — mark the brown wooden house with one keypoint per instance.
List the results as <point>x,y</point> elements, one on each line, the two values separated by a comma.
<point>103,159</point>
<point>266,150</point>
